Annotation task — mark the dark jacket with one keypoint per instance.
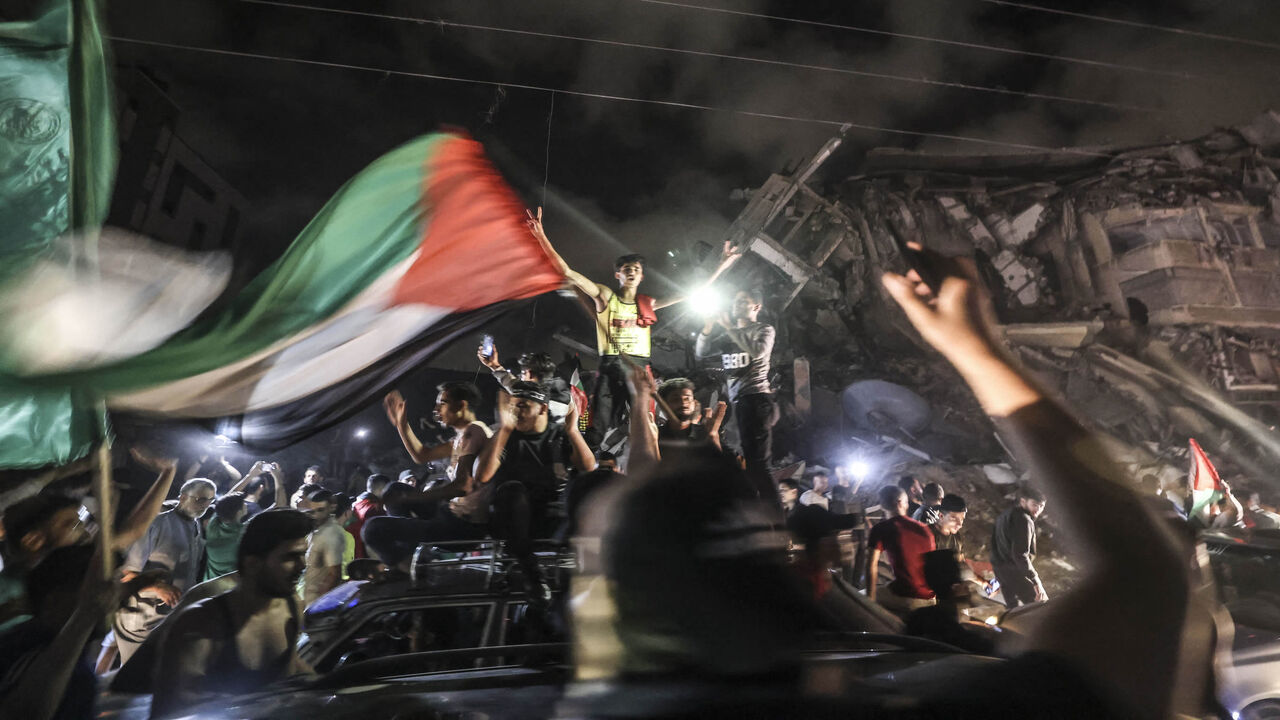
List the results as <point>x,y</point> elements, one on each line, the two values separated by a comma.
<point>1013,544</point>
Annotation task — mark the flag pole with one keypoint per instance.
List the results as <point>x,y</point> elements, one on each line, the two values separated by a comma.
<point>106,510</point>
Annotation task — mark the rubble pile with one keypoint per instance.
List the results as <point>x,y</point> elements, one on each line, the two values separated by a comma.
<point>1140,284</point>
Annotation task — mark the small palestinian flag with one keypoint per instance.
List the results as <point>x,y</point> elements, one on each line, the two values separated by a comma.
<point>1206,486</point>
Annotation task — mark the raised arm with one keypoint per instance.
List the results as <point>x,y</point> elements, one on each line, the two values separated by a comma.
<point>37,691</point>
<point>583,459</point>
<point>1121,626</point>
<point>713,420</point>
<point>255,471</point>
<point>727,258</point>
<point>644,432</point>
<point>139,519</point>
<point>491,456</point>
<point>277,479</point>
<point>600,294</point>
<point>394,404</point>
<point>231,469</point>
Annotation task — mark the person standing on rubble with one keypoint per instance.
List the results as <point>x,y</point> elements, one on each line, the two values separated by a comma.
<point>1013,548</point>
<point>744,346</point>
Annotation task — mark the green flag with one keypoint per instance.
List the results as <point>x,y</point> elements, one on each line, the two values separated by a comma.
<point>57,163</point>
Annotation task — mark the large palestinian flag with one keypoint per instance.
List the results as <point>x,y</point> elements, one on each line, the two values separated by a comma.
<point>425,244</point>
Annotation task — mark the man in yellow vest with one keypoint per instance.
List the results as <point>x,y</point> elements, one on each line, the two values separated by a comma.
<point>623,321</point>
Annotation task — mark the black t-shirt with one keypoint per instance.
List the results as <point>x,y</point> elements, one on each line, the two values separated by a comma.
<point>539,460</point>
<point>693,433</point>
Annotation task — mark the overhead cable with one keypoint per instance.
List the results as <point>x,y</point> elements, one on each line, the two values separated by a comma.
<point>1137,24</point>
<point>722,56</point>
<point>940,41</point>
<point>618,98</point>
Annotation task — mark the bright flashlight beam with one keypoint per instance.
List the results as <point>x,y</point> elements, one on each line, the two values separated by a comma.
<point>859,469</point>
<point>705,301</point>
<point>361,433</point>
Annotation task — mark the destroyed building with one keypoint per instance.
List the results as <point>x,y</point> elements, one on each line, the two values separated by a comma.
<point>1142,284</point>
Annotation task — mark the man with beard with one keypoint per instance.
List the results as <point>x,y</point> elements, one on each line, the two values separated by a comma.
<point>244,639</point>
<point>173,548</point>
<point>1013,550</point>
<point>744,346</point>
<point>687,426</point>
<point>526,462</point>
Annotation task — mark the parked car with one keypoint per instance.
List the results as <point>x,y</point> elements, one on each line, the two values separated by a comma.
<point>1246,569</point>
<point>456,604</point>
<point>864,673</point>
<point>449,606</point>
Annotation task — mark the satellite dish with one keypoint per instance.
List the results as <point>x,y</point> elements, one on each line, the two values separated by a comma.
<point>884,406</point>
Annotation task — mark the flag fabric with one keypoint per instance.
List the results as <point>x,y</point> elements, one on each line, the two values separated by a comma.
<point>57,163</point>
<point>426,243</point>
<point>1206,486</point>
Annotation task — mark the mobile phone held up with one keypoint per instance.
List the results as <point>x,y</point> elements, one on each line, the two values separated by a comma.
<point>920,261</point>
<point>486,346</point>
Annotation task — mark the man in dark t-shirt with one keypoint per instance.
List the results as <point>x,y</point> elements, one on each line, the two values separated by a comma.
<point>527,462</point>
<point>905,541</point>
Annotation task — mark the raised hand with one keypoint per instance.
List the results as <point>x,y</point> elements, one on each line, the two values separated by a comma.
<point>489,361</point>
<point>959,318</point>
<point>394,405</point>
<point>571,417</point>
<point>151,461</point>
<point>534,222</point>
<point>718,418</point>
<point>506,411</point>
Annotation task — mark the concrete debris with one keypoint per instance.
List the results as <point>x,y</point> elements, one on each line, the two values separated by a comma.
<point>1142,284</point>
<point>1000,474</point>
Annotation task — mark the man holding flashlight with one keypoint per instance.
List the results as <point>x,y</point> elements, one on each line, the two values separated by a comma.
<point>744,346</point>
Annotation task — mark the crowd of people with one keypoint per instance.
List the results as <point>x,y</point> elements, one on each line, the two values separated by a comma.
<point>212,590</point>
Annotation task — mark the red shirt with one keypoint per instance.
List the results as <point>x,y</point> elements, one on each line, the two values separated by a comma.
<point>363,509</point>
<point>905,541</point>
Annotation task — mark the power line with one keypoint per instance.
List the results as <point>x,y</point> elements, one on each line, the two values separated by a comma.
<point>619,98</point>
<point>940,41</point>
<point>1137,24</point>
<point>718,55</point>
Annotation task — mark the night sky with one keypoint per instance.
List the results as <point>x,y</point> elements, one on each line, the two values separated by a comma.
<point>654,178</point>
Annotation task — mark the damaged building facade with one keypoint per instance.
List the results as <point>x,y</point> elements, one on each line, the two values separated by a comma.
<point>1141,284</point>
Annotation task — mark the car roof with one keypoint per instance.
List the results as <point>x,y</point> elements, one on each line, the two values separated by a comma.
<point>1248,537</point>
